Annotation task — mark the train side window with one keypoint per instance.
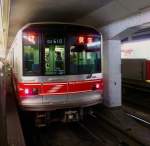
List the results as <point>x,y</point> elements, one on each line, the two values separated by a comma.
<point>31,55</point>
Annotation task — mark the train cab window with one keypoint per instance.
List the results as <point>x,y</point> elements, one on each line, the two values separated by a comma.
<point>31,54</point>
<point>84,56</point>
<point>54,55</point>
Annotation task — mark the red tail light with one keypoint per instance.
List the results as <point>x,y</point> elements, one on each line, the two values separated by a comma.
<point>28,89</point>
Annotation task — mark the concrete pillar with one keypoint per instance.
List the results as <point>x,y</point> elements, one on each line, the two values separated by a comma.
<point>112,72</point>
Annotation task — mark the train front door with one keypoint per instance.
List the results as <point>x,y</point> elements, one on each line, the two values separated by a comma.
<point>54,60</point>
<point>57,87</point>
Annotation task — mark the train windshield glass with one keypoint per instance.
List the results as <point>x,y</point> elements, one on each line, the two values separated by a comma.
<point>84,55</point>
<point>31,65</point>
<point>50,53</point>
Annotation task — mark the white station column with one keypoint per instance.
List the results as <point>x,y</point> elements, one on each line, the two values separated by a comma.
<point>112,55</point>
<point>112,72</point>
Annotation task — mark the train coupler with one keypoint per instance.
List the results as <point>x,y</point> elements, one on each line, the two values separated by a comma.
<point>71,116</point>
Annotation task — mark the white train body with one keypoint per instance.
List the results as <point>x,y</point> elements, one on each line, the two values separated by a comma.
<point>43,84</point>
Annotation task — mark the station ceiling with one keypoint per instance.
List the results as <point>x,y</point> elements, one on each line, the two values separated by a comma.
<point>96,13</point>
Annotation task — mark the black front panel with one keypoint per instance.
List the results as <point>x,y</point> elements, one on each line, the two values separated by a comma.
<point>61,50</point>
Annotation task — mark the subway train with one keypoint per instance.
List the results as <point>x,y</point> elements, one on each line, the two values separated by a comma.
<point>57,66</point>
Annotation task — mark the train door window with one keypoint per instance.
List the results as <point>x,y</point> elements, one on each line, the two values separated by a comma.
<point>31,54</point>
<point>54,60</point>
<point>54,55</point>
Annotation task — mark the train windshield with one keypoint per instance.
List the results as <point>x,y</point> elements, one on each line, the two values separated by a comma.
<point>84,54</point>
<point>51,53</point>
<point>31,55</point>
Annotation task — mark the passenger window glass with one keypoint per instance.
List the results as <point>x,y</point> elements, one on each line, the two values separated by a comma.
<point>31,55</point>
<point>54,56</point>
<point>54,60</point>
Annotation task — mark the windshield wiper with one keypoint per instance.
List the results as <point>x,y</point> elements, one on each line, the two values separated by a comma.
<point>90,74</point>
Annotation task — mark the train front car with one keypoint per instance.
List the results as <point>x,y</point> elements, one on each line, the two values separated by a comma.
<point>61,67</point>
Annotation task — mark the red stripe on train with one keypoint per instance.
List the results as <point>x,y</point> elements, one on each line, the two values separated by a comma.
<point>30,89</point>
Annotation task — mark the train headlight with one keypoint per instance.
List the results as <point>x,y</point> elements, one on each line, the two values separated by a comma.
<point>97,86</point>
<point>33,91</point>
<point>26,91</point>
